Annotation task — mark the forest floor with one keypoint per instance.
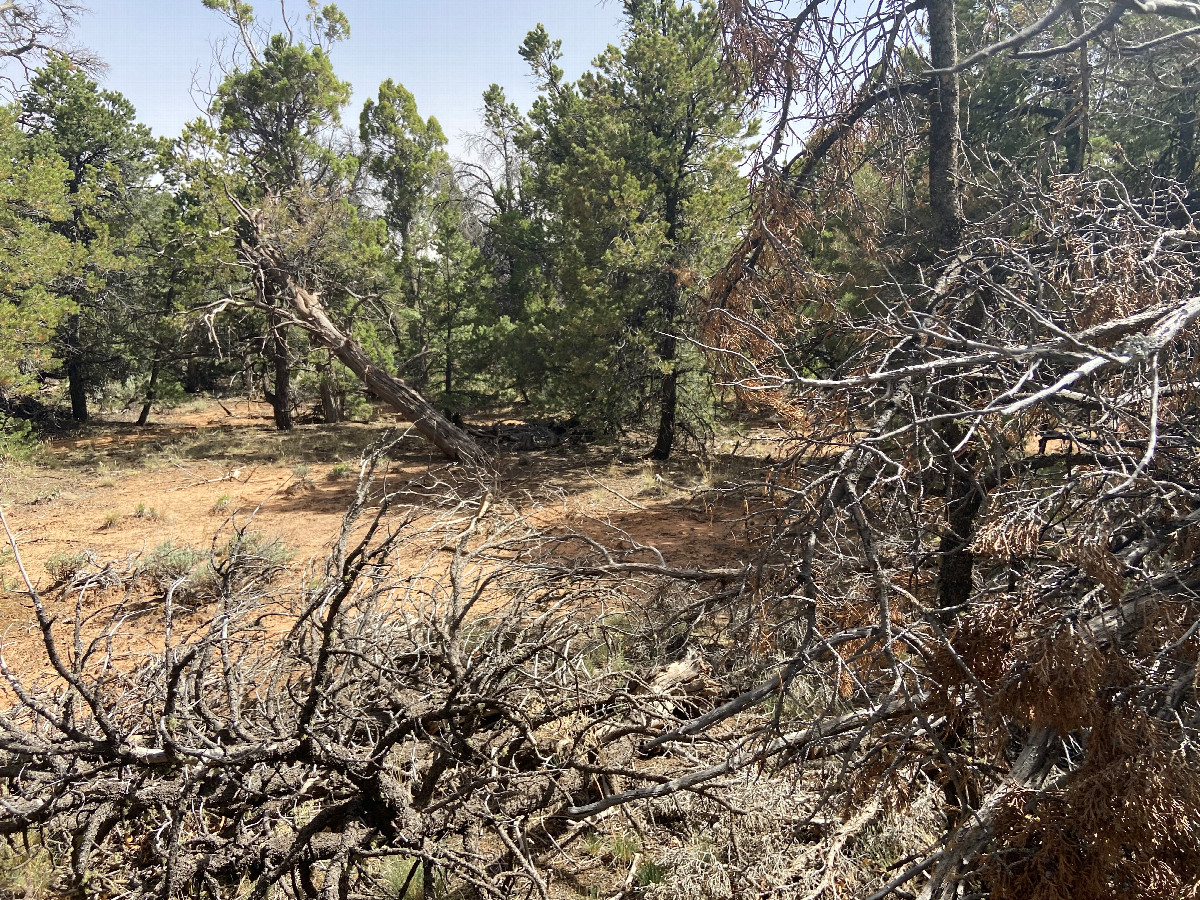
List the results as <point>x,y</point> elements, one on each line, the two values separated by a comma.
<point>115,490</point>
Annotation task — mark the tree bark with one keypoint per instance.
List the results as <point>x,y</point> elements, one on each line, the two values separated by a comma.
<point>668,402</point>
<point>963,497</point>
<point>75,377</point>
<point>151,388</point>
<point>668,348</point>
<point>79,404</point>
<point>1078,135</point>
<point>331,401</point>
<point>945,200</point>
<point>277,348</point>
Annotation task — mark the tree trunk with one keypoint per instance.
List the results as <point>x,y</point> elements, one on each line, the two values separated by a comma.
<point>449,374</point>
<point>965,493</point>
<point>75,378</point>
<point>144,418</point>
<point>668,348</point>
<point>79,404</point>
<point>945,201</point>
<point>331,401</point>
<point>420,367</point>
<point>1078,135</point>
<point>455,443</point>
<point>668,402</point>
<point>1185,125</point>
<point>963,496</point>
<point>281,399</point>
<point>956,571</point>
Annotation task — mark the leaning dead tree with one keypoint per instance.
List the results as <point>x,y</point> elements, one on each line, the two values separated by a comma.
<point>265,255</point>
<point>285,180</point>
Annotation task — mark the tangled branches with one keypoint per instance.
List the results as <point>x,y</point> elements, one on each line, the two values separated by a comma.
<point>436,696</point>
<point>990,502</point>
<point>31,31</point>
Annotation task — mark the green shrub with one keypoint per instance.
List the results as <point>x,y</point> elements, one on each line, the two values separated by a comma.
<point>18,440</point>
<point>65,566</point>
<point>131,393</point>
<point>142,511</point>
<point>650,872</point>
<point>26,870</point>
<point>167,564</point>
<point>402,879</point>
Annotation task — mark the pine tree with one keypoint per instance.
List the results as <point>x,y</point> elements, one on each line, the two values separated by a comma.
<point>34,257</point>
<point>635,192</point>
<point>107,154</point>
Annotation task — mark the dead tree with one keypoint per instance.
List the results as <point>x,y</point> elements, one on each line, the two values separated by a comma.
<point>32,31</point>
<point>430,701</point>
<point>265,254</point>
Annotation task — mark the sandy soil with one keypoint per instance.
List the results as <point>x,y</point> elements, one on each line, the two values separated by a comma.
<point>115,490</point>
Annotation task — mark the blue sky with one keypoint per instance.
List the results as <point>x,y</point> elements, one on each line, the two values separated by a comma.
<point>445,51</point>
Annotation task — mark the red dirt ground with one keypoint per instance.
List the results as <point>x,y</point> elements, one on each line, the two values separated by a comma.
<point>116,490</point>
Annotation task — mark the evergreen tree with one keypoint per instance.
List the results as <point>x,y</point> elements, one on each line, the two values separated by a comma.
<point>34,257</point>
<point>279,116</point>
<point>635,201</point>
<point>405,157</point>
<point>107,153</point>
<point>405,154</point>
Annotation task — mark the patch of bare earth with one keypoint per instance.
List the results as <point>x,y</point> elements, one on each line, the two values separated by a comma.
<point>117,491</point>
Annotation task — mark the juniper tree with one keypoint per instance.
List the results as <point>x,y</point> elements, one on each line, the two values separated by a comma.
<point>108,155</point>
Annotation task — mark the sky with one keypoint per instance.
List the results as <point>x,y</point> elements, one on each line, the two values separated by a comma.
<point>446,52</point>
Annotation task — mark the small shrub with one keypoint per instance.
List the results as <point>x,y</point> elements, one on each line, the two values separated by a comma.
<point>166,564</point>
<point>243,559</point>
<point>131,393</point>
<point>649,873</point>
<point>358,409</point>
<point>222,505</point>
<point>112,519</point>
<point>26,871</point>
<point>47,497</point>
<point>339,471</point>
<point>624,846</point>
<point>595,845</point>
<point>65,566</point>
<point>18,441</point>
<point>149,513</point>
<point>402,879</point>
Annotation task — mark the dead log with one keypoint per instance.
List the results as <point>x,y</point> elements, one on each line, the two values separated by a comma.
<point>688,679</point>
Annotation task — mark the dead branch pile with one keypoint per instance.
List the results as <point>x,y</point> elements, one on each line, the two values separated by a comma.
<point>988,524</point>
<point>437,697</point>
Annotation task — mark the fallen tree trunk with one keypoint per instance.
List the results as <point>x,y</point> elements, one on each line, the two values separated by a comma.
<point>308,312</point>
